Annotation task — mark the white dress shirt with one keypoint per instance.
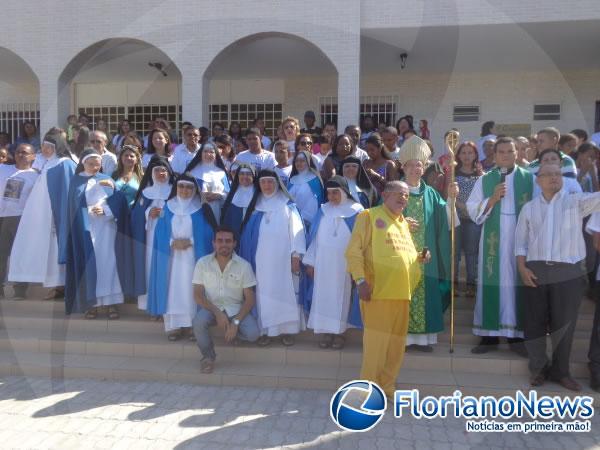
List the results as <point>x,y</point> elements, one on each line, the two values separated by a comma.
<point>552,230</point>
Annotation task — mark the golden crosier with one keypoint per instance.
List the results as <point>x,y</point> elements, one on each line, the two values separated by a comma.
<point>451,141</point>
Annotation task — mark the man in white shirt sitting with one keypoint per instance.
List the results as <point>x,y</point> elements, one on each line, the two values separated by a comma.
<point>224,289</point>
<point>16,183</point>
<point>185,152</point>
<point>550,252</point>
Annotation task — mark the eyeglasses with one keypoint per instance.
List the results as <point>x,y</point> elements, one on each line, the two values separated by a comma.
<point>307,143</point>
<point>95,141</point>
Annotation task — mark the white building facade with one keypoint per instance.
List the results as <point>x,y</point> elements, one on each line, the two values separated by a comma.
<point>525,64</point>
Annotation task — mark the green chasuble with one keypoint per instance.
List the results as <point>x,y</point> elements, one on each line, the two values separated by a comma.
<point>490,272</point>
<point>432,295</point>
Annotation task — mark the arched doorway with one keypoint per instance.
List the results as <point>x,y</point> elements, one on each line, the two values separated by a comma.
<point>19,94</point>
<point>121,77</point>
<point>270,75</point>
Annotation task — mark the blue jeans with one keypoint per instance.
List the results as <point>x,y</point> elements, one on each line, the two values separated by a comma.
<point>247,331</point>
<point>467,242</point>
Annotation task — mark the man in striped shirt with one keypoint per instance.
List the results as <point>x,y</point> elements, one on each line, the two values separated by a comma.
<point>550,254</point>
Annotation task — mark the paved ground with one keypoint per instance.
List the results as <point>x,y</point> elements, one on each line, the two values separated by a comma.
<point>42,413</point>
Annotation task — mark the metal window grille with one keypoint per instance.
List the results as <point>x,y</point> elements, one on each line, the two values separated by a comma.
<point>139,115</point>
<point>546,111</point>
<point>245,113</point>
<point>466,113</point>
<point>328,108</point>
<point>383,108</point>
<point>12,116</point>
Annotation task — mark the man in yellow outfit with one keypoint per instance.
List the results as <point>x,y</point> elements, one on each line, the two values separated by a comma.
<point>384,263</point>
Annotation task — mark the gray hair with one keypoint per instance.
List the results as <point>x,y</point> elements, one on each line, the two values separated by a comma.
<point>101,134</point>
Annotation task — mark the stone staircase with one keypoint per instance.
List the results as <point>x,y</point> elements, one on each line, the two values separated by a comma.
<point>37,339</point>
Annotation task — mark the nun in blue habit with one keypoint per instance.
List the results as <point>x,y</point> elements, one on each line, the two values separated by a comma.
<point>330,296</point>
<point>273,242</point>
<point>305,186</point>
<point>98,252</point>
<point>239,198</point>
<point>155,189</point>
<point>183,234</point>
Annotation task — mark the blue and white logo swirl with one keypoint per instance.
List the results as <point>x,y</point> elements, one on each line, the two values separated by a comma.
<point>358,405</point>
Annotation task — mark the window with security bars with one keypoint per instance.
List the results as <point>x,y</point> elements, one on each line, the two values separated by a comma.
<point>328,110</point>
<point>12,116</point>
<point>465,113</point>
<point>382,108</point>
<point>139,115</point>
<point>245,113</point>
<point>546,111</point>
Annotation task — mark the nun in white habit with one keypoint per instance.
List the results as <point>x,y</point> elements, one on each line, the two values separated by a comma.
<point>209,170</point>
<point>273,241</point>
<point>326,263</point>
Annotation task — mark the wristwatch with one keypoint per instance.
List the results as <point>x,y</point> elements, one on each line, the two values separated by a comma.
<point>236,322</point>
<point>360,281</point>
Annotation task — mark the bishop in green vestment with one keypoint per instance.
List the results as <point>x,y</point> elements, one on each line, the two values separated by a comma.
<point>427,208</point>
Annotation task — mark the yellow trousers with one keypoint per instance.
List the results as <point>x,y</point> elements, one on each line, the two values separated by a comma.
<point>384,338</point>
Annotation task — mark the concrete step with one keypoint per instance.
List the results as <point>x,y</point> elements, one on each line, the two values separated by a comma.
<point>33,310</point>
<point>36,293</point>
<point>135,345</point>
<point>313,376</point>
<point>59,326</point>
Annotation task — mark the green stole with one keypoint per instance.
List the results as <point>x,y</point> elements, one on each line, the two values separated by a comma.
<point>522,188</point>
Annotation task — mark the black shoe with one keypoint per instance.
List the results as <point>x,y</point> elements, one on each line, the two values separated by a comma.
<point>421,348</point>
<point>519,349</point>
<point>484,348</point>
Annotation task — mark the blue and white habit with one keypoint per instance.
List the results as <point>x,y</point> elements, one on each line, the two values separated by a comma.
<point>170,291</point>
<point>306,188</point>
<point>238,200</point>
<point>154,195</point>
<point>274,232</point>
<point>98,253</point>
<point>334,302</point>
<point>39,250</point>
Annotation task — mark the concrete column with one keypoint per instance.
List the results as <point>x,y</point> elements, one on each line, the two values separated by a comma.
<point>348,67</point>
<point>194,95</point>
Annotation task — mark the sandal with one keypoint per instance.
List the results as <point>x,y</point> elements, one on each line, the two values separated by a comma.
<point>325,341</point>
<point>339,342</point>
<point>263,341</point>
<point>207,365</point>
<point>174,336</point>
<point>91,313</point>
<point>287,340</point>
<point>113,313</point>
<point>57,292</point>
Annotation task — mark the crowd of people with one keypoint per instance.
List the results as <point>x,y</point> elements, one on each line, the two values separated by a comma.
<point>266,236</point>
